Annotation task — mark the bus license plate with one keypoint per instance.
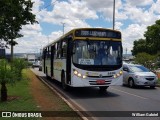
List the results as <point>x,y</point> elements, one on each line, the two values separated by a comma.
<point>100,81</point>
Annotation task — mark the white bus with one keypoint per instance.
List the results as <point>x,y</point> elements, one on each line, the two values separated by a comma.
<point>85,57</point>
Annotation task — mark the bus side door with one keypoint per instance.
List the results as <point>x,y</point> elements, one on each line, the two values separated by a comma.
<point>68,59</point>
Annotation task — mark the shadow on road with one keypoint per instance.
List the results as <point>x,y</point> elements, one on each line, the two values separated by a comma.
<point>83,92</point>
<point>140,87</point>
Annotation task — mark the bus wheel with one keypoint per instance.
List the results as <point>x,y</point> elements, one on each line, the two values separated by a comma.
<point>64,86</point>
<point>47,73</point>
<point>103,88</point>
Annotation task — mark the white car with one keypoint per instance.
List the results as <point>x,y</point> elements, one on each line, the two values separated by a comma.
<point>36,64</point>
<point>138,75</point>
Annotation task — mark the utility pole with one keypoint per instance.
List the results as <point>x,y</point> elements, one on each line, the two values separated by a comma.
<point>113,14</point>
<point>63,27</point>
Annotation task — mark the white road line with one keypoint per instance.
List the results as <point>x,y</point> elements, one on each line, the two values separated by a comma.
<point>129,93</point>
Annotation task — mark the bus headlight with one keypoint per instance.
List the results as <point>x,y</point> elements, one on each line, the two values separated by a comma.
<point>79,74</point>
<point>121,72</point>
<point>118,74</point>
<point>75,72</point>
<point>115,76</point>
<point>84,76</point>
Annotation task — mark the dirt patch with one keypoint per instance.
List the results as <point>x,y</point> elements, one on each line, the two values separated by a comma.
<point>46,99</point>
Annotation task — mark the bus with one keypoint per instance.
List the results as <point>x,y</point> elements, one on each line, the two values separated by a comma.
<point>85,57</point>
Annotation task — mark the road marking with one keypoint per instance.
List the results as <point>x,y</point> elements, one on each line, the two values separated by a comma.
<point>130,93</point>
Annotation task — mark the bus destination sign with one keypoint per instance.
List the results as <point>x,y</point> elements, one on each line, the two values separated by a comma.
<point>98,33</point>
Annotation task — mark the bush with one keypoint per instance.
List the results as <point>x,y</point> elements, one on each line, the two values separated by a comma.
<point>18,65</point>
<point>9,73</point>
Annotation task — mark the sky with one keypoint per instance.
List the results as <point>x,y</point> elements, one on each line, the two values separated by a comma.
<point>131,18</point>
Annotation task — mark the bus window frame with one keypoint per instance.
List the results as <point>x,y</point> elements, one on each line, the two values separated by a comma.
<point>59,49</point>
<point>63,49</point>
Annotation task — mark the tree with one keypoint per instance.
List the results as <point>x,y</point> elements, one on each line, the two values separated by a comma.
<point>153,36</point>
<point>6,76</point>
<point>145,59</point>
<point>139,46</point>
<point>17,66</point>
<point>151,43</point>
<point>9,74</point>
<point>14,14</point>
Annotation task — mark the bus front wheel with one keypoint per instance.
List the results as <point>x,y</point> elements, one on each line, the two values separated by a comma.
<point>64,85</point>
<point>47,73</point>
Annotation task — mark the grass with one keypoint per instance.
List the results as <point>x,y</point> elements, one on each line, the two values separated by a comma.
<point>20,99</point>
<point>25,100</point>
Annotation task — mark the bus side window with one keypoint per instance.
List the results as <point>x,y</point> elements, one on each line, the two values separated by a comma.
<point>59,50</point>
<point>64,49</point>
<point>49,52</point>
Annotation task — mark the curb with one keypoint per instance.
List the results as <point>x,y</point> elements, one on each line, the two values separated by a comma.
<point>64,99</point>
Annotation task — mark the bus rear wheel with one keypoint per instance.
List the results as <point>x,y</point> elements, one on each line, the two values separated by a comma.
<point>103,88</point>
<point>64,85</point>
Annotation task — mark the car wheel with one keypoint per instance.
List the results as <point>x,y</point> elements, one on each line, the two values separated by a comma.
<point>131,83</point>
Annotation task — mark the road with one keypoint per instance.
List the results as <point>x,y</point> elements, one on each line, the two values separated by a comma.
<point>117,98</point>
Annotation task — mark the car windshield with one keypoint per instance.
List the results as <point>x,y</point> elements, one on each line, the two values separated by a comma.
<point>138,68</point>
<point>94,52</point>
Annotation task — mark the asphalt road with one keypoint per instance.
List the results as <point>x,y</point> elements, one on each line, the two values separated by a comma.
<point>117,98</point>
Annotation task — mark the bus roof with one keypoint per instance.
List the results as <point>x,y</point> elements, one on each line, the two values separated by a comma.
<point>73,31</point>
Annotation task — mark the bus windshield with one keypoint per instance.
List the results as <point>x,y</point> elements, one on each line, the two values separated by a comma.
<point>95,52</point>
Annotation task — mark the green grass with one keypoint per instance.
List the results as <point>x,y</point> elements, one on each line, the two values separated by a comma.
<point>23,102</point>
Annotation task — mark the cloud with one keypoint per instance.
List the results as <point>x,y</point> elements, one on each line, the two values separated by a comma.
<point>139,2</point>
<point>36,8</point>
<point>156,7</point>
<point>105,8</point>
<point>72,14</point>
<point>131,33</point>
<point>140,15</point>
<point>131,18</point>
<point>118,25</point>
